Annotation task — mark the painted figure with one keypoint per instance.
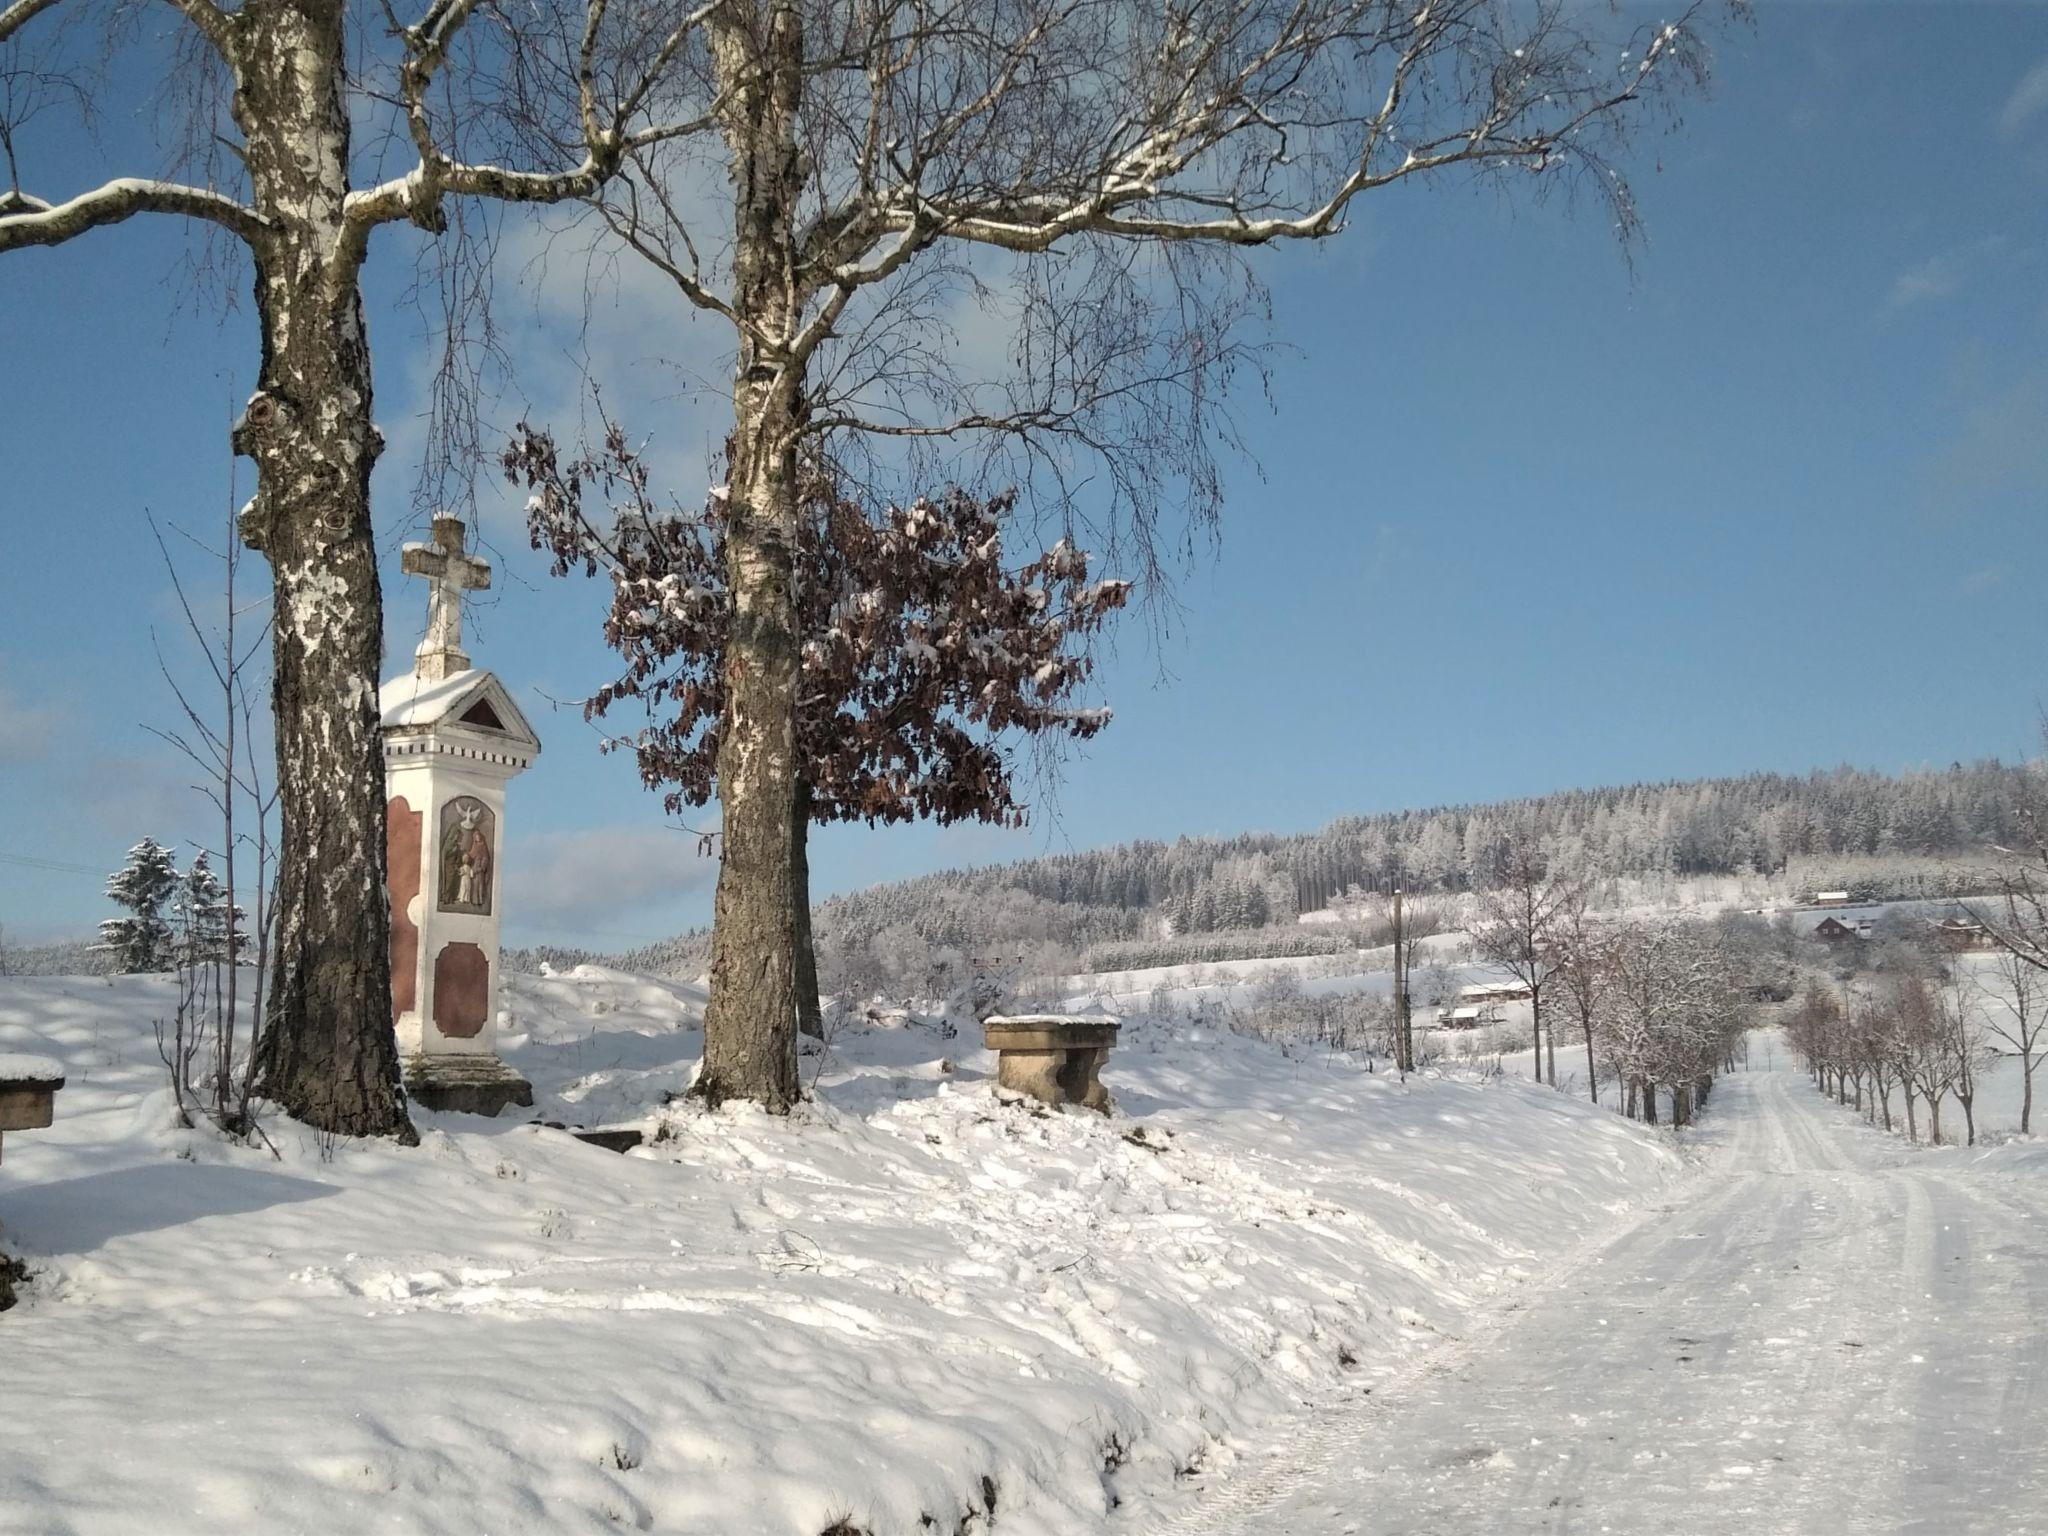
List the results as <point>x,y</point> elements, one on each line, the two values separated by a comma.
<point>466,825</point>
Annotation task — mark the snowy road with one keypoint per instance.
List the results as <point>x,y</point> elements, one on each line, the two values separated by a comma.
<point>1825,1332</point>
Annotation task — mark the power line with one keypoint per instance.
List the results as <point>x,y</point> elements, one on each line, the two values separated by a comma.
<point>56,866</point>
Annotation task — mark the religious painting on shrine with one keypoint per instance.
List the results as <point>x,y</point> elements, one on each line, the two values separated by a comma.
<point>468,833</point>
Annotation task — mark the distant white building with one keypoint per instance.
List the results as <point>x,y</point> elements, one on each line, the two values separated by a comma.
<point>1486,993</point>
<point>1831,898</point>
<point>1467,1017</point>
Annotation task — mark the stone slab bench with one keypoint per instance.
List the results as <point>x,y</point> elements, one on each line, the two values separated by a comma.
<point>28,1092</point>
<point>613,1138</point>
<point>1054,1058</point>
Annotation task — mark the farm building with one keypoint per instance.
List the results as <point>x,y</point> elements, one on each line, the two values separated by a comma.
<point>1470,1017</point>
<point>1961,933</point>
<point>1485,993</point>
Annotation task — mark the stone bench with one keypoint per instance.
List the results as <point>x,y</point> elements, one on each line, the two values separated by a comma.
<point>1053,1058</point>
<point>28,1091</point>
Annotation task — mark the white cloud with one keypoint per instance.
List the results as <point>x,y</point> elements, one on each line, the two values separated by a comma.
<point>2028,97</point>
<point>1947,273</point>
<point>1983,580</point>
<point>603,885</point>
<point>1935,278</point>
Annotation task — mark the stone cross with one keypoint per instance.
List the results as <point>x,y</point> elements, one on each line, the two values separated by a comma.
<point>449,574</point>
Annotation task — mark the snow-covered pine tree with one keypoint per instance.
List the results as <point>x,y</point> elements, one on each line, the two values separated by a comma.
<point>199,917</point>
<point>141,941</point>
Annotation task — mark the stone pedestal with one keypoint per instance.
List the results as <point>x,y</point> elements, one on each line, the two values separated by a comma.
<point>28,1093</point>
<point>450,746</point>
<point>1056,1059</point>
<point>469,1084</point>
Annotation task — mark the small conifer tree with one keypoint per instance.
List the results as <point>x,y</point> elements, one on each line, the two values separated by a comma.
<point>141,941</point>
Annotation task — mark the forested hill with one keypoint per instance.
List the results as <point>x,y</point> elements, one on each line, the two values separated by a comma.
<point>1827,826</point>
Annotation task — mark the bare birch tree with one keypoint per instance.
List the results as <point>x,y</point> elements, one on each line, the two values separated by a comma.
<point>1920,1046</point>
<point>1582,964</point>
<point>1517,929</point>
<point>2016,919</point>
<point>866,163</point>
<point>2015,1002</point>
<point>271,84</point>
<point>218,737</point>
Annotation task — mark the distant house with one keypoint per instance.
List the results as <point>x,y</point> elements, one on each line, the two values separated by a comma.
<point>1832,930</point>
<point>1484,994</point>
<point>1956,934</point>
<point>1469,1017</point>
<point>1831,898</point>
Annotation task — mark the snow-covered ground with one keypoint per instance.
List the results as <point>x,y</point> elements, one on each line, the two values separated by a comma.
<point>1822,1332</point>
<point>904,1302</point>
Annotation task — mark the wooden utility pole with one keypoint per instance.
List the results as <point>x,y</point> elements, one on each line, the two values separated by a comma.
<point>1404,1036</point>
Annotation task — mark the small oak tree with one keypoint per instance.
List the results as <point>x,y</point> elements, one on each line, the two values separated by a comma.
<point>924,656</point>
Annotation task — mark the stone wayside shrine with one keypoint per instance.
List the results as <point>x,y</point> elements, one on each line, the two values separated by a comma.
<point>453,739</point>
<point>1054,1058</point>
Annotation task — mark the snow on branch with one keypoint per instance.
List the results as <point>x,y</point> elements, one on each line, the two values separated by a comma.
<point>610,130</point>
<point>26,220</point>
<point>19,14</point>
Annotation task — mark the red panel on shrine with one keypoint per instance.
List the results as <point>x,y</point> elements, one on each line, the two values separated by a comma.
<point>462,990</point>
<point>402,884</point>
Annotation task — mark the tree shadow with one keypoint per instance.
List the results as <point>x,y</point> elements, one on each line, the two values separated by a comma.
<point>79,1215</point>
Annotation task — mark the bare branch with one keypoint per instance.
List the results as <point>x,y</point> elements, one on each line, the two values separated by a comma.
<point>213,23</point>
<point>26,221</point>
<point>20,14</point>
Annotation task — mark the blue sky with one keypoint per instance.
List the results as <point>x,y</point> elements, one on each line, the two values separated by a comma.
<point>1521,517</point>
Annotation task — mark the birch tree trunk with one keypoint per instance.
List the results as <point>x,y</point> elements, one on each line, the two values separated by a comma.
<point>750,1022</point>
<point>810,1009</point>
<point>1550,1038</point>
<point>329,1055</point>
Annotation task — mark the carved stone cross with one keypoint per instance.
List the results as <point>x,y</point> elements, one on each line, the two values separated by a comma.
<point>449,574</point>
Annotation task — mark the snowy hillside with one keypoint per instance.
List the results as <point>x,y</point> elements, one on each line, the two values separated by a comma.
<point>906,1302</point>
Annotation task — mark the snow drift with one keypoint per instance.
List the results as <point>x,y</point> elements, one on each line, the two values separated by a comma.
<point>905,1308</point>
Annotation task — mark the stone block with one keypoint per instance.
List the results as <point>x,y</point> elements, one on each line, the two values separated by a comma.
<point>468,1085</point>
<point>27,1108</point>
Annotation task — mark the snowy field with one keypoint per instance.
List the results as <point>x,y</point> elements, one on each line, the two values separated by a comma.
<point>1442,960</point>
<point>1365,970</point>
<point>902,1305</point>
